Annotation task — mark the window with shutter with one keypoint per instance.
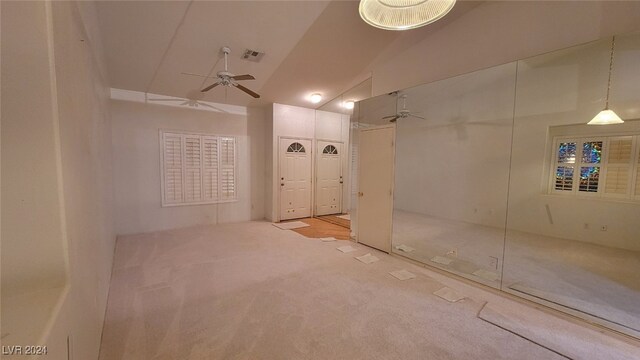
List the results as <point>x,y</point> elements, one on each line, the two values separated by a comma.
<point>192,169</point>
<point>210,168</point>
<point>619,165</point>
<point>172,169</point>
<point>227,168</point>
<point>197,169</point>
<point>606,166</point>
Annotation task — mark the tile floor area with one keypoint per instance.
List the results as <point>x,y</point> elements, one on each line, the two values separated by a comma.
<point>253,291</point>
<point>319,229</point>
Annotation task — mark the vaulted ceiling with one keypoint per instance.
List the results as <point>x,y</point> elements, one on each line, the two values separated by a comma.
<point>310,46</point>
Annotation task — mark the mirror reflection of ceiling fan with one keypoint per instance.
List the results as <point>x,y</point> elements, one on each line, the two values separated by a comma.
<point>192,100</point>
<point>403,113</point>
<point>225,78</point>
<point>186,102</point>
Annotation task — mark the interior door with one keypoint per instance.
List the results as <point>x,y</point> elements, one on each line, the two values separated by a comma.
<point>375,187</point>
<point>295,178</point>
<point>329,178</point>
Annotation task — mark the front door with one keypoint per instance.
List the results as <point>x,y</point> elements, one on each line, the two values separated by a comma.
<point>295,178</point>
<point>329,178</point>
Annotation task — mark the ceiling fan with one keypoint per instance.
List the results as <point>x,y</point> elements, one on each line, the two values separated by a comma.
<point>402,114</point>
<point>225,78</point>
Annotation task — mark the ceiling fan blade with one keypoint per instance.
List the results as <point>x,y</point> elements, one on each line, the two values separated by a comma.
<point>255,95</point>
<point>394,119</point>
<point>198,75</point>
<point>210,87</point>
<point>185,103</point>
<point>207,105</point>
<point>416,116</point>
<point>390,117</point>
<point>165,99</point>
<point>243,77</point>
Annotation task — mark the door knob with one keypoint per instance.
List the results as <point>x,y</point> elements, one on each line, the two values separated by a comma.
<point>360,194</point>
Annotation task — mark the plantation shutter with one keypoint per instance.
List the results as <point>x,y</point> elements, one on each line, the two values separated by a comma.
<point>619,165</point>
<point>192,168</point>
<point>210,168</point>
<point>227,168</point>
<point>172,158</point>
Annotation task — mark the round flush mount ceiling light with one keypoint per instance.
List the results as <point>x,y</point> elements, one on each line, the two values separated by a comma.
<point>315,98</point>
<point>348,104</point>
<point>403,14</point>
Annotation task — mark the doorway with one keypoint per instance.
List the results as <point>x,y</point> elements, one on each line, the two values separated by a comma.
<point>328,178</point>
<point>375,186</point>
<point>295,178</point>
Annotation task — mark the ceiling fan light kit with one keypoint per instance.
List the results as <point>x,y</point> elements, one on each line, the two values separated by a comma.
<point>226,78</point>
<point>607,116</point>
<point>403,14</point>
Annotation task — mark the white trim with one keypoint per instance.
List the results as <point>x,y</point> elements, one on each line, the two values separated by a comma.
<point>142,97</point>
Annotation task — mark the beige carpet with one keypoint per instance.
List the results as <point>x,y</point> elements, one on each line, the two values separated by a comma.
<point>569,340</point>
<point>591,279</point>
<point>253,291</point>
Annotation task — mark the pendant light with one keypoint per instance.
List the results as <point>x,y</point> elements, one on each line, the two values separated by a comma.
<point>403,14</point>
<point>607,116</point>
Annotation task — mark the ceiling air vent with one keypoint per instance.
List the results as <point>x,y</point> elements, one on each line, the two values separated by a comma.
<point>252,55</point>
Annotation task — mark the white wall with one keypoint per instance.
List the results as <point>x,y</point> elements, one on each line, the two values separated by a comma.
<point>56,179</point>
<point>497,32</point>
<point>136,154</point>
<point>269,173</point>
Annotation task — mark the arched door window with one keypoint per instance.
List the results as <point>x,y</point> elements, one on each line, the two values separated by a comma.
<point>330,149</point>
<point>296,147</point>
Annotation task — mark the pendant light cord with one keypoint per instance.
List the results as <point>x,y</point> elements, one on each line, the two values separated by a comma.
<point>613,44</point>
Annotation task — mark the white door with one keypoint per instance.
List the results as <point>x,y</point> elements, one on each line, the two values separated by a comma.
<point>375,187</point>
<point>295,178</point>
<point>329,178</point>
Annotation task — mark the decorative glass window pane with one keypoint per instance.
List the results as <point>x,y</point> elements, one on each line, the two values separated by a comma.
<point>296,147</point>
<point>564,178</point>
<point>330,149</point>
<point>567,153</point>
<point>592,152</point>
<point>589,177</point>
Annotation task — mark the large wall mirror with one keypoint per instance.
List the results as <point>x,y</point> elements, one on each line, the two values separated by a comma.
<point>499,179</point>
<point>573,229</point>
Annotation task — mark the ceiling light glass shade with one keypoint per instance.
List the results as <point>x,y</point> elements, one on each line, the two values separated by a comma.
<point>316,98</point>
<point>605,117</point>
<point>349,104</point>
<point>403,14</point>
